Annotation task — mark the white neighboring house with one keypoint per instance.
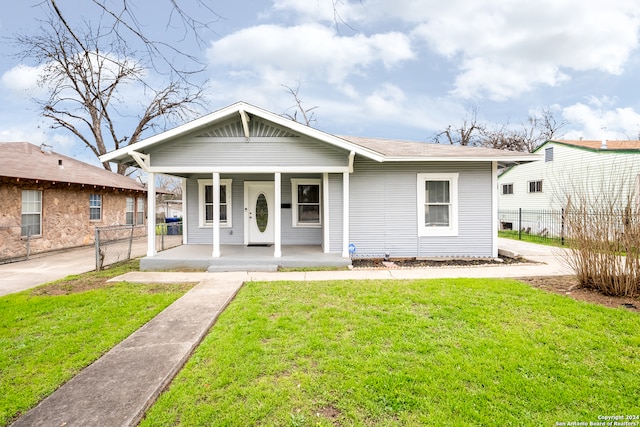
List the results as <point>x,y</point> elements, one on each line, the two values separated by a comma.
<point>595,171</point>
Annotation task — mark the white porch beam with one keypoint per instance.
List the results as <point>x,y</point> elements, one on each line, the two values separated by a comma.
<point>494,208</point>
<point>172,170</point>
<point>345,215</point>
<point>245,123</point>
<point>151,214</point>
<point>277,230</point>
<point>216,215</point>
<point>326,234</point>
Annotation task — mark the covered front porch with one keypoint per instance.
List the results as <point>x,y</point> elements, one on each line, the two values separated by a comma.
<point>242,258</point>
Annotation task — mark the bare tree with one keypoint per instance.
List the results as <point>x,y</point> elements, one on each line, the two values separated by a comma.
<point>307,113</point>
<point>89,68</point>
<point>537,129</point>
<point>469,133</point>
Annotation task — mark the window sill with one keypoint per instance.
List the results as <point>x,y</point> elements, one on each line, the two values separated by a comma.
<point>306,226</point>
<point>447,232</point>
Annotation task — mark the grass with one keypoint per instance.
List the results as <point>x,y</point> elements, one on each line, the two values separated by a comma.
<point>48,334</point>
<point>533,238</point>
<point>456,352</point>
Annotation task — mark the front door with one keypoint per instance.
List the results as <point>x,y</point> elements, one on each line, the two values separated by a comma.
<point>258,209</point>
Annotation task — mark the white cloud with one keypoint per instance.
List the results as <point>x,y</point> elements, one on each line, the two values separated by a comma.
<point>509,48</point>
<point>310,51</point>
<point>594,122</point>
<point>21,79</point>
<point>502,48</point>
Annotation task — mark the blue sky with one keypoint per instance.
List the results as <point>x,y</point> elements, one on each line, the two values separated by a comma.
<point>402,69</point>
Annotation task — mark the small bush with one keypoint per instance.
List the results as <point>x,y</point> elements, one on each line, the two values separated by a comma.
<point>606,240</point>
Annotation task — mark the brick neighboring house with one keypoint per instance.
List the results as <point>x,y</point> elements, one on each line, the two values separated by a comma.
<point>59,200</point>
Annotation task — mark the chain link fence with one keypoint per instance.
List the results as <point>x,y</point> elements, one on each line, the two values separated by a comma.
<point>117,243</point>
<point>15,243</point>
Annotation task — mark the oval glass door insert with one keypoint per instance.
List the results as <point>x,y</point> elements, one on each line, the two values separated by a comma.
<point>262,212</point>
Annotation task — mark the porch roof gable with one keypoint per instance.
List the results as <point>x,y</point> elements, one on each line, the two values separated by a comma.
<point>245,111</point>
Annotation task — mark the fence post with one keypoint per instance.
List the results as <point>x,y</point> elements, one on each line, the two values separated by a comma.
<point>130,242</point>
<point>562,227</point>
<point>97,242</point>
<point>28,242</point>
<point>519,223</point>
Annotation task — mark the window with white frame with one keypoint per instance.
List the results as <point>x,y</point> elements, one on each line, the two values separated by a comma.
<point>535,186</point>
<point>507,188</point>
<point>95,207</point>
<point>130,210</point>
<point>305,201</point>
<point>134,211</point>
<point>206,202</point>
<point>31,220</point>
<point>140,211</point>
<point>437,204</point>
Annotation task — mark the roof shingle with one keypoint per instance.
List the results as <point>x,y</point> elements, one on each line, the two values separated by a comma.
<point>27,161</point>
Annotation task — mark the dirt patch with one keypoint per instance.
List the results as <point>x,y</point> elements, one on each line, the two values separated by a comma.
<point>72,286</point>
<point>568,286</point>
<point>331,413</point>
<point>421,263</point>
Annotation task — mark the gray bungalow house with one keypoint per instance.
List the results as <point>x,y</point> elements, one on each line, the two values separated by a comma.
<point>254,178</point>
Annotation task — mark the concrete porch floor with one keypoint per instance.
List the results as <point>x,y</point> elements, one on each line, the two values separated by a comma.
<point>241,258</point>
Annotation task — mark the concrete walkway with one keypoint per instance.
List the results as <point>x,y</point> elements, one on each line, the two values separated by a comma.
<point>118,388</point>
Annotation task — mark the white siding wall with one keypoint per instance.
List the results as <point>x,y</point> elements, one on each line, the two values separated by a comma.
<point>573,172</point>
<point>383,210</point>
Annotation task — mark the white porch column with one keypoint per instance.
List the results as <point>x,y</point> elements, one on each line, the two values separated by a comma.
<point>326,235</point>
<point>185,237</point>
<point>345,215</point>
<point>494,208</point>
<point>216,215</point>
<point>151,214</point>
<point>277,229</point>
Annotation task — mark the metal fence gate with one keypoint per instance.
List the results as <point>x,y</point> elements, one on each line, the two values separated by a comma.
<point>117,243</point>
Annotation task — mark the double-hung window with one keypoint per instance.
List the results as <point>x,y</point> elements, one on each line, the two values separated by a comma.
<point>140,211</point>
<point>206,202</point>
<point>437,204</point>
<point>31,213</point>
<point>130,210</point>
<point>305,202</point>
<point>134,211</point>
<point>95,207</point>
<point>535,186</point>
<point>507,188</point>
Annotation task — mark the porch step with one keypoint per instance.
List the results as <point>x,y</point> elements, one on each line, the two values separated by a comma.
<point>242,267</point>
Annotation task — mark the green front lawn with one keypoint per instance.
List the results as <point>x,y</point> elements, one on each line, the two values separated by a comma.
<point>428,352</point>
<point>48,334</point>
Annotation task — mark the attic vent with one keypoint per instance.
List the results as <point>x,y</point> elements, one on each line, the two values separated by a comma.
<point>60,164</point>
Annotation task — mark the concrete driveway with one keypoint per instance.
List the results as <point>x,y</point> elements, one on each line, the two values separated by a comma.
<point>46,267</point>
